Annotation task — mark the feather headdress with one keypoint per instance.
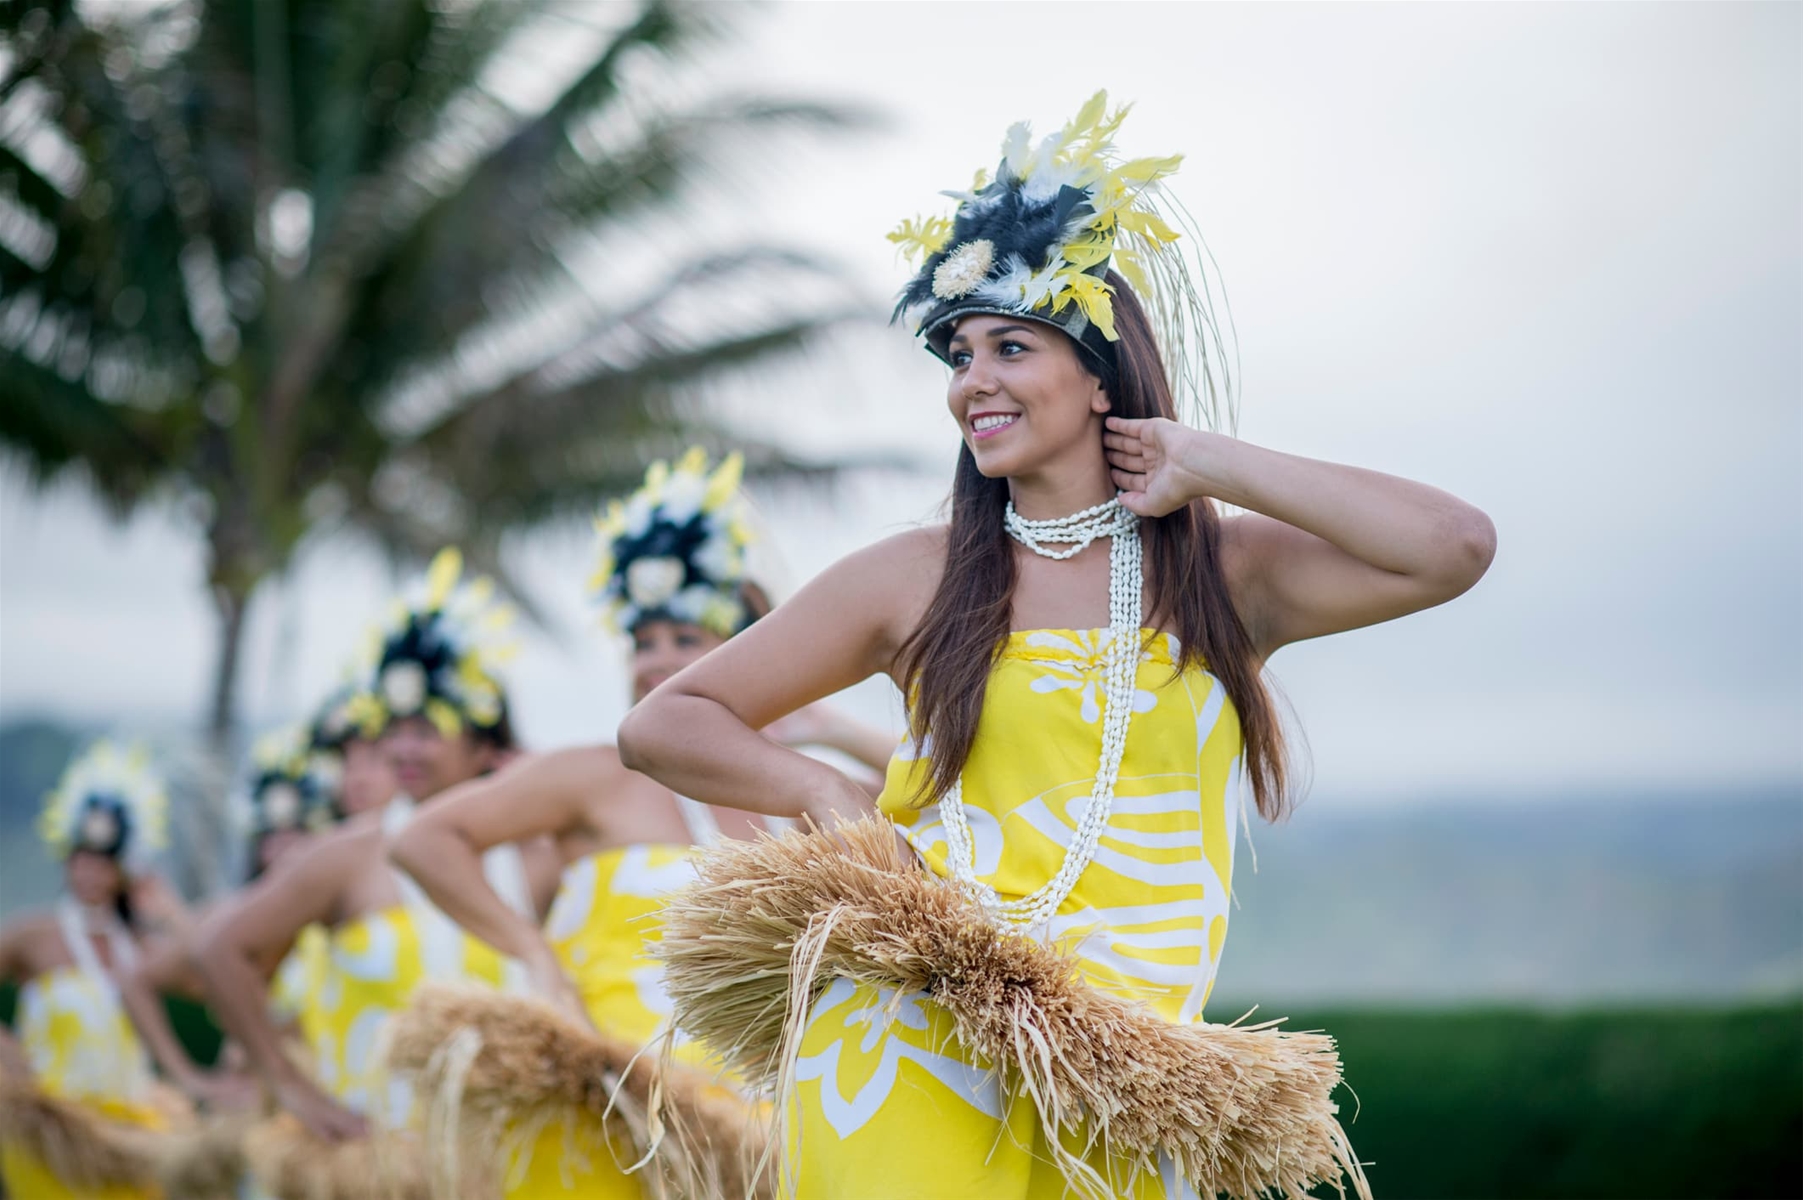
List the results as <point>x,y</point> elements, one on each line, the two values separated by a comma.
<point>110,801</point>
<point>437,655</point>
<point>334,724</point>
<point>1039,238</point>
<point>287,792</point>
<point>675,550</point>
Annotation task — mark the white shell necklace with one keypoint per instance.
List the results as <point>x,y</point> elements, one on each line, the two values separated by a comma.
<point>1110,520</point>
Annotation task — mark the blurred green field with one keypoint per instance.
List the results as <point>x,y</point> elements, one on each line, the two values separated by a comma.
<point>1635,1104</point>
<point>1632,1103</point>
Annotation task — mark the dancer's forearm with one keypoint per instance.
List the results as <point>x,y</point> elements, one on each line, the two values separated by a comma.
<point>144,1006</point>
<point>1398,525</point>
<point>449,870</point>
<point>696,746</point>
<point>240,1003</point>
<point>14,1064</point>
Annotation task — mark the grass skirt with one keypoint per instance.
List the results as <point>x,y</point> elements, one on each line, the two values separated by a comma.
<point>1242,1110</point>
<point>89,1150</point>
<point>495,1071</point>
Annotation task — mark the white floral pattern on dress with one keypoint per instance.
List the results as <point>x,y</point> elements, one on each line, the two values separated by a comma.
<point>1087,673</point>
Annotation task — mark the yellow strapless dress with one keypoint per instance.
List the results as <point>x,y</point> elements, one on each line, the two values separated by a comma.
<point>373,965</point>
<point>603,920</point>
<point>82,1047</point>
<point>301,974</point>
<point>888,1104</point>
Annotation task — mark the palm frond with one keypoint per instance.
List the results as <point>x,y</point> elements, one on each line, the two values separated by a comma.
<point>50,424</point>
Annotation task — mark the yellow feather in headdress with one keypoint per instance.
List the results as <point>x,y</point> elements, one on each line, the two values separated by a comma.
<point>441,577</point>
<point>444,718</point>
<point>723,484</point>
<point>1093,295</point>
<point>920,238</point>
<point>656,475</point>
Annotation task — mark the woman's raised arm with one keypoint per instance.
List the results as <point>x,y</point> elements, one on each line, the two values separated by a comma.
<point>697,733</point>
<point>1322,547</point>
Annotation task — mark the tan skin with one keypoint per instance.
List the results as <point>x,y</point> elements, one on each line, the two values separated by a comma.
<point>1321,548</point>
<point>368,781</point>
<point>587,801</point>
<point>335,879</point>
<point>167,966</point>
<point>34,946</point>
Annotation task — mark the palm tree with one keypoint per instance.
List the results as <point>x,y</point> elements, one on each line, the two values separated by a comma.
<point>315,267</point>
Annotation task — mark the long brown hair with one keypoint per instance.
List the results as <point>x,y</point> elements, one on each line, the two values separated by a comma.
<point>944,665</point>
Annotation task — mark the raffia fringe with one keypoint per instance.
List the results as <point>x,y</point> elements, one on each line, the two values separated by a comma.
<point>496,1070</point>
<point>292,1164</point>
<point>90,1151</point>
<point>1244,1110</point>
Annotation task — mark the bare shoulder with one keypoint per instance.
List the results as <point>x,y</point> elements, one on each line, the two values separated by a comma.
<point>900,558</point>
<point>336,853</point>
<point>596,762</point>
<point>915,548</point>
<point>582,775</point>
<point>27,945</point>
<point>894,578</point>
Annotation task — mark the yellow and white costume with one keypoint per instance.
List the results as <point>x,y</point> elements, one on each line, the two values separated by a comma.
<point>887,1102</point>
<point>81,1047</point>
<point>374,964</point>
<point>674,550</point>
<point>301,975</point>
<point>601,924</point>
<point>71,1023</point>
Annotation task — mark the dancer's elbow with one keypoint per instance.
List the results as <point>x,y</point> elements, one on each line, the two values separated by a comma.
<point>1472,548</point>
<point>640,735</point>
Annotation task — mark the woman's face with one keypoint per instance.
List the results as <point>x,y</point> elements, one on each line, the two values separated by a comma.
<point>425,762</point>
<point>368,780</point>
<point>92,878</point>
<point>1022,396</point>
<point>662,648</point>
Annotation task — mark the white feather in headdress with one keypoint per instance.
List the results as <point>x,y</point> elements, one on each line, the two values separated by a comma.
<point>109,800</point>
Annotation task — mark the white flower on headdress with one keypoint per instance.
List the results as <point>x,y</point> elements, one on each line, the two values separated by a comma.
<point>717,558</point>
<point>120,779</point>
<point>336,722</point>
<point>683,496</point>
<point>691,604</point>
<point>964,269</point>
<point>327,766</point>
<point>637,517</point>
<point>99,829</point>
<point>403,688</point>
<point>281,805</point>
<point>650,582</point>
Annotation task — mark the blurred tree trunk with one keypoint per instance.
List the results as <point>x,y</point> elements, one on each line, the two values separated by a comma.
<point>233,577</point>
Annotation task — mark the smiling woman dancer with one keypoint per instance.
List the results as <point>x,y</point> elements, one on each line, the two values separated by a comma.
<point>1081,651</point>
<point>672,576</point>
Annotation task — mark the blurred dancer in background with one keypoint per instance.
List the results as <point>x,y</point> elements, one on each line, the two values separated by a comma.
<point>73,1039</point>
<point>672,577</point>
<point>437,705</point>
<point>301,781</point>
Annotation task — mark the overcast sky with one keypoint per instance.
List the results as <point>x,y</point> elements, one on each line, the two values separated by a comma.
<point>1547,257</point>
